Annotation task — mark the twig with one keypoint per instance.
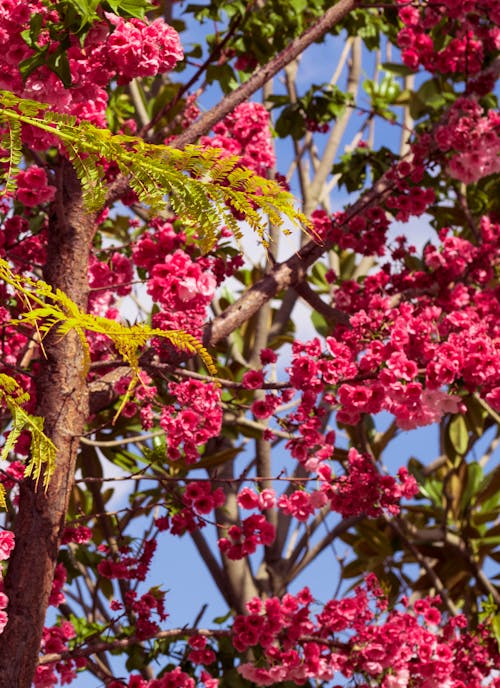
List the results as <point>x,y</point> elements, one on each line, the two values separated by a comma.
<point>399,529</point>
<point>124,441</point>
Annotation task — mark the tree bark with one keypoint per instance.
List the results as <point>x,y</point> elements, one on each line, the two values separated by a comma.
<point>62,400</point>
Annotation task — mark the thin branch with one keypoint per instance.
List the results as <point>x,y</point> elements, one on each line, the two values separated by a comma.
<point>311,554</point>
<point>331,315</point>
<point>404,146</point>
<point>138,102</point>
<point>289,273</point>
<point>398,527</point>
<point>324,169</point>
<point>134,439</point>
<point>303,177</point>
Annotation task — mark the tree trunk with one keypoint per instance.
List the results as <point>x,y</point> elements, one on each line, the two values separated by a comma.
<point>63,403</point>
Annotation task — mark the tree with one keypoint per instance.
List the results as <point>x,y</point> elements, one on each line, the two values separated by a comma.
<point>208,405</point>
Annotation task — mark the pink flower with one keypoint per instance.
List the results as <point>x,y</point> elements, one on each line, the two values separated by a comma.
<point>253,379</point>
<point>6,544</point>
<point>32,187</point>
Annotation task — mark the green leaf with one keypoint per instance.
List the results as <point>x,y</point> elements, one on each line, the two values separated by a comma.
<point>489,489</point>
<point>130,8</point>
<point>433,490</point>
<point>458,434</point>
<point>223,75</point>
<point>472,483</point>
<point>320,324</point>
<point>397,68</point>
<point>59,64</point>
<point>432,95</point>
<point>291,122</point>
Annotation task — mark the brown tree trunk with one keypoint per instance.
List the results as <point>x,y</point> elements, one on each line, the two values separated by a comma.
<point>63,403</point>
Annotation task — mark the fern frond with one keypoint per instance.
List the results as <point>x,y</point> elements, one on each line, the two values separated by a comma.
<point>42,449</point>
<point>203,186</point>
<point>51,309</point>
<point>11,141</point>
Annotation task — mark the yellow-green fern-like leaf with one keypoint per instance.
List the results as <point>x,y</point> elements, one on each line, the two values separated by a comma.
<point>48,309</point>
<point>42,449</point>
<point>201,185</point>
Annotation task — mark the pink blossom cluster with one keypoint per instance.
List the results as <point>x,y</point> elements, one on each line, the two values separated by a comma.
<point>6,547</point>
<point>55,641</point>
<point>22,247</point>
<point>80,535</point>
<point>363,490</point>
<point>10,476</point>
<point>364,233</point>
<point>113,49</point>
<point>107,279</point>
<point>198,500</point>
<point>184,521</point>
<point>394,649</point>
<point>407,355</point>
<point>245,133</point>
<point>195,417</point>
<point>378,381</point>
<point>200,653</point>
<point>135,48</point>
<point>142,608</point>
<point>181,285</point>
<point>474,29</point>
<point>32,188</point>
<point>169,679</point>
<point>473,140</point>
<point>249,499</point>
<point>244,539</point>
<point>408,198</point>
<point>300,504</point>
<point>57,596</point>
<point>200,497</point>
<point>125,565</point>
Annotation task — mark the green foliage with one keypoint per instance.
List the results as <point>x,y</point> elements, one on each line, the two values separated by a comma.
<point>203,188</point>
<point>383,94</point>
<point>11,143</point>
<point>42,449</point>
<point>320,104</point>
<point>354,166</point>
<point>490,616</point>
<point>266,29</point>
<point>371,25</point>
<point>432,96</point>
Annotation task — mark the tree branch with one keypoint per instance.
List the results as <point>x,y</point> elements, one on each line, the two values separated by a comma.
<point>201,127</point>
<point>289,273</point>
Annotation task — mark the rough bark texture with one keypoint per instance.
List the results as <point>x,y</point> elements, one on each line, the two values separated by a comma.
<point>63,403</point>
